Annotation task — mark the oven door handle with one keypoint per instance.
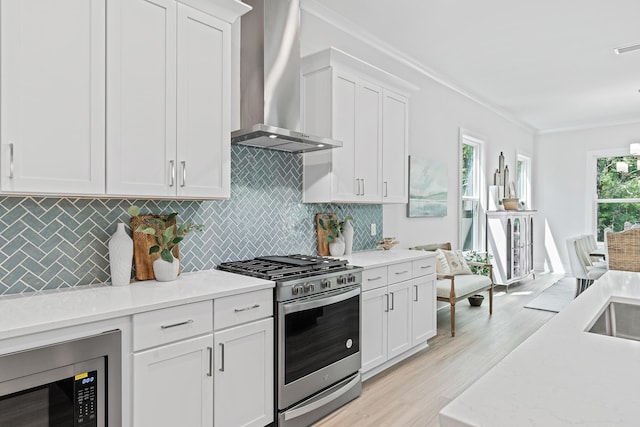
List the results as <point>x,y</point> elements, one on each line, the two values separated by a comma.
<point>322,300</point>
<point>322,399</point>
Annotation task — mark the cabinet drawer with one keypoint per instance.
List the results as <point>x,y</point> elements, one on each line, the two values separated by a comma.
<point>424,266</point>
<point>374,278</point>
<point>399,272</point>
<point>237,309</point>
<point>159,327</point>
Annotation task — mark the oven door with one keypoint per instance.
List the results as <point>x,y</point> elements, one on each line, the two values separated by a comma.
<point>318,343</point>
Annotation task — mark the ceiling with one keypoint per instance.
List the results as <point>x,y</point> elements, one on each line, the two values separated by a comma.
<point>547,64</point>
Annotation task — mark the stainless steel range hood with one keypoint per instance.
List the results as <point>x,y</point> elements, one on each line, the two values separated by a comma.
<point>270,80</point>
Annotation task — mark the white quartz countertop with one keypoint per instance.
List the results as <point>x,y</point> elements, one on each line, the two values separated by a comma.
<point>371,259</point>
<point>562,375</point>
<point>42,311</point>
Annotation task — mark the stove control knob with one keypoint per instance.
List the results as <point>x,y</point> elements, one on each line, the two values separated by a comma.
<point>325,283</point>
<point>351,278</point>
<point>308,287</point>
<point>297,289</point>
<point>342,280</point>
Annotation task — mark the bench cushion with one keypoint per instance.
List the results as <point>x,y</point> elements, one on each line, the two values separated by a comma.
<point>465,285</point>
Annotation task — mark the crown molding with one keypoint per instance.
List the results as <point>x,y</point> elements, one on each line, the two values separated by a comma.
<point>317,9</point>
<point>589,126</point>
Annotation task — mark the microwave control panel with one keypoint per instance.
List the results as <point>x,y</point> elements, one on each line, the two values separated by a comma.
<point>86,399</point>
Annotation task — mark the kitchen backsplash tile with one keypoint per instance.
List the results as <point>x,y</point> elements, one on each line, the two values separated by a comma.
<point>50,243</point>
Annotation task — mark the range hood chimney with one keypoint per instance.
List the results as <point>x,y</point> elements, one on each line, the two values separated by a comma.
<point>270,80</point>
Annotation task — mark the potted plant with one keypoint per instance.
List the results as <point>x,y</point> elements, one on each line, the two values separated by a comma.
<point>335,238</point>
<point>167,233</point>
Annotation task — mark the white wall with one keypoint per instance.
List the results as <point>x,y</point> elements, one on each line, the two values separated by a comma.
<point>560,191</point>
<point>437,114</point>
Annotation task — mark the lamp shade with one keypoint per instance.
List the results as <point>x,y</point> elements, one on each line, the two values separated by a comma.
<point>634,149</point>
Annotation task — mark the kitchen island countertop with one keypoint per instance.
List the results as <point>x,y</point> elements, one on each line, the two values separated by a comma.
<point>47,310</point>
<point>562,375</point>
<point>371,259</point>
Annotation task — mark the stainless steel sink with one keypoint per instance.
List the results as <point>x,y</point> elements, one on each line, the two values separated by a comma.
<point>619,319</point>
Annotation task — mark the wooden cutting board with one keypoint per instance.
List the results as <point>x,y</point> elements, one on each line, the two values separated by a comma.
<point>141,244</point>
<point>321,233</point>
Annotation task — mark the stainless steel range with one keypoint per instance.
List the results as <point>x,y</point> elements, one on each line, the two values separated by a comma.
<point>317,306</point>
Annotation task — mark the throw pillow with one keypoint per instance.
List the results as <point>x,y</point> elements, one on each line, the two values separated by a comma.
<point>457,263</point>
<point>442,266</point>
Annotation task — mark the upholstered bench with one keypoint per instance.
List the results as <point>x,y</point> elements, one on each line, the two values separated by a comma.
<point>456,282</point>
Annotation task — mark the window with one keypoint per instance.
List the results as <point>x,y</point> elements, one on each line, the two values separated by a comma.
<point>523,179</point>
<point>470,226</point>
<point>617,193</point>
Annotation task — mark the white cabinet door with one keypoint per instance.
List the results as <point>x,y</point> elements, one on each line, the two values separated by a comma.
<point>375,305</point>
<point>204,105</point>
<point>423,309</point>
<point>52,56</point>
<point>394,147</point>
<point>141,98</point>
<point>343,166</point>
<point>173,385</point>
<point>169,101</point>
<point>368,154</point>
<point>399,318</point>
<point>244,375</point>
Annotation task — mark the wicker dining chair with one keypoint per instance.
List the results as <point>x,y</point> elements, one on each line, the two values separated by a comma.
<point>624,250</point>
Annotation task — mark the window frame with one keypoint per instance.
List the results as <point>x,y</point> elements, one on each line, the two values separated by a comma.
<point>526,160</point>
<point>467,137</point>
<point>592,200</point>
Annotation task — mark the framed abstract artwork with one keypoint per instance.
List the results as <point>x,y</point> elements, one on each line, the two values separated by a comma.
<point>428,185</point>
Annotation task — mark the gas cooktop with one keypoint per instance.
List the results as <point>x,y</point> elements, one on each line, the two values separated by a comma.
<point>285,267</point>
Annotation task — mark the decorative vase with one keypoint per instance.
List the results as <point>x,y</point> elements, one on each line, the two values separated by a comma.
<point>166,271</point>
<point>347,232</point>
<point>336,248</point>
<point>120,256</point>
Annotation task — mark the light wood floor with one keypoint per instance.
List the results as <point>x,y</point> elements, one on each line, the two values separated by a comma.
<point>412,392</point>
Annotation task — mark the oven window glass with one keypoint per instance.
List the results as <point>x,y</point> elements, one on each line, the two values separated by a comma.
<point>318,337</point>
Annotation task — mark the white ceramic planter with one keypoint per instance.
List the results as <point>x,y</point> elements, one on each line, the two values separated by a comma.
<point>120,257</point>
<point>336,248</point>
<point>166,271</point>
<point>347,232</point>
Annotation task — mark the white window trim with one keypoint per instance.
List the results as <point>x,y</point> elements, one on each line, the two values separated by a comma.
<point>480,141</point>
<point>529,187</point>
<point>591,195</point>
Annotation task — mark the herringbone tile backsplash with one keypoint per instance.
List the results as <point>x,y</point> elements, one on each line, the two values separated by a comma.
<point>51,243</point>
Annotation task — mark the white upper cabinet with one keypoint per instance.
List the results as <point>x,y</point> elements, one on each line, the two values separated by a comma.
<point>395,172</point>
<point>137,92</point>
<point>52,57</point>
<point>204,117</point>
<point>141,96</point>
<point>168,116</point>
<point>365,108</point>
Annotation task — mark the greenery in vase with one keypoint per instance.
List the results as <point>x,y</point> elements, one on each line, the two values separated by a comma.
<point>333,226</point>
<point>479,257</point>
<point>166,236</point>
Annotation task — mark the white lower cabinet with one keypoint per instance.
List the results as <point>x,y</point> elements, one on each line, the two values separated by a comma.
<point>173,385</point>
<point>244,375</point>
<point>399,319</point>
<point>173,366</point>
<point>374,328</point>
<point>187,374</point>
<point>423,309</point>
<point>398,312</point>
<point>243,370</point>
